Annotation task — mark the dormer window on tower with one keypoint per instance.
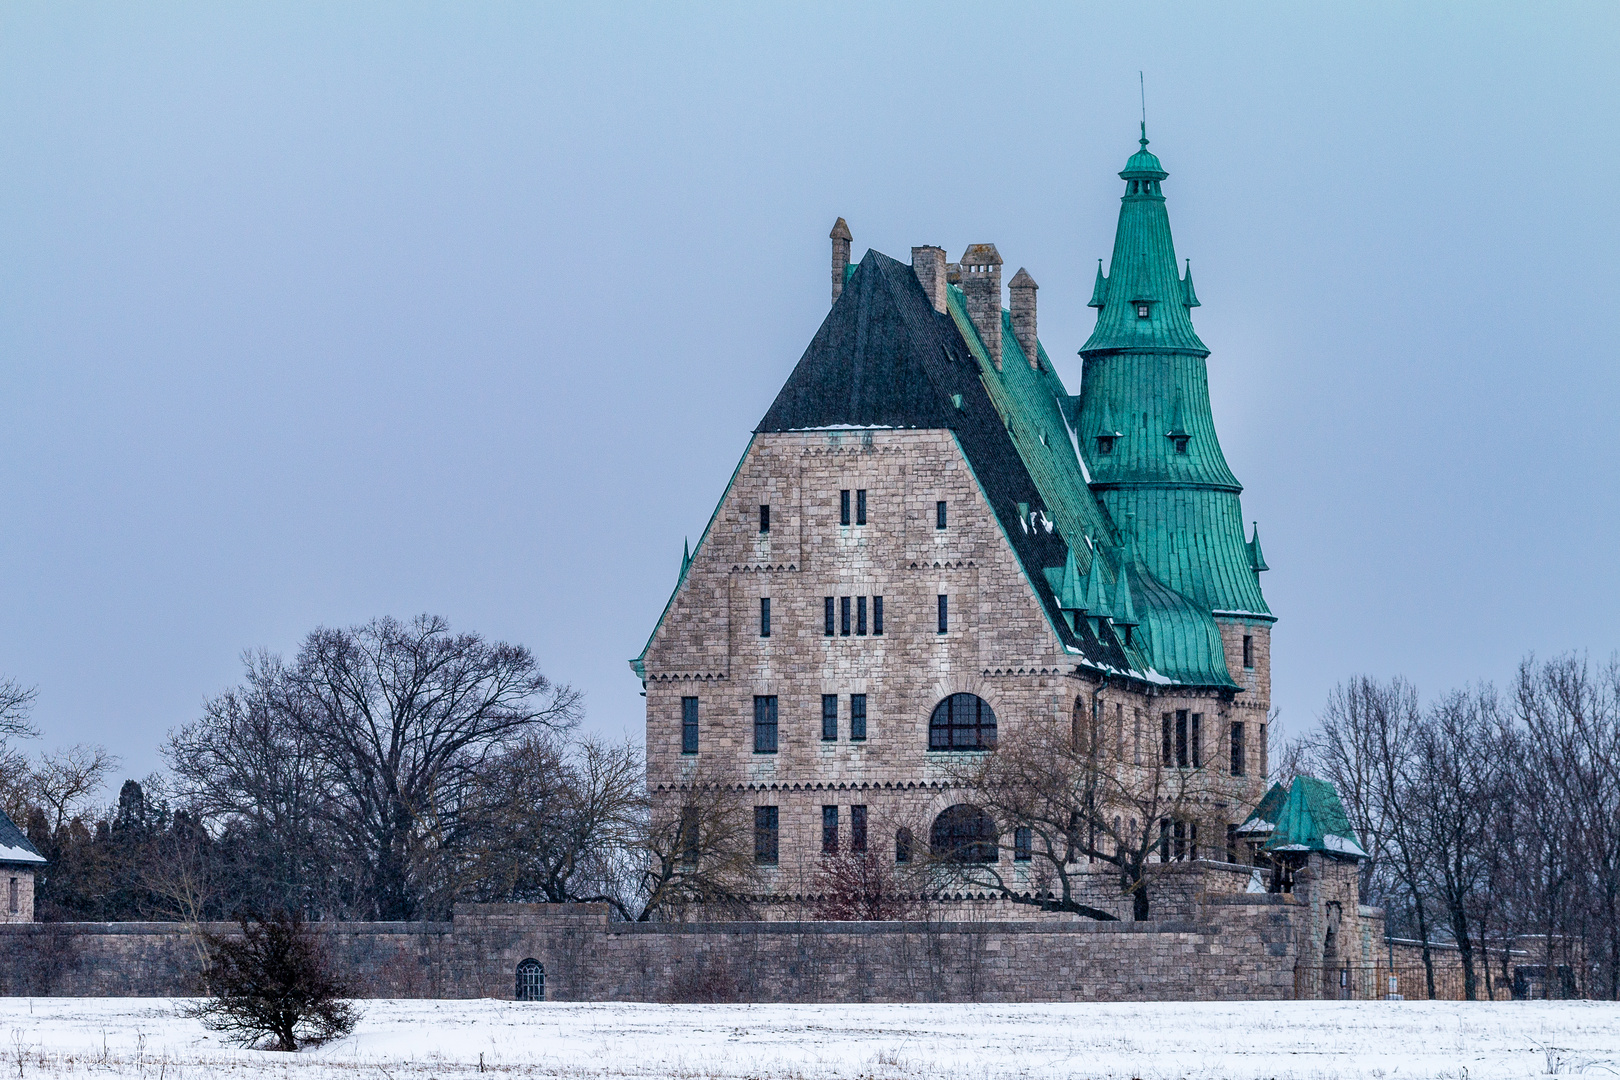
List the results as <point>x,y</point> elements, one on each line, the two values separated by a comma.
<point>1143,310</point>
<point>1105,444</point>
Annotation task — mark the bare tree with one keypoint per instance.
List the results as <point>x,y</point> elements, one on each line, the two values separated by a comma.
<point>66,782</point>
<point>696,851</point>
<point>860,886</point>
<point>16,703</point>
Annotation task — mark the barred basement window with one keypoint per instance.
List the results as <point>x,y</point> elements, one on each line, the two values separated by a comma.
<point>829,717</point>
<point>689,725</point>
<point>764,616</point>
<point>857,718</point>
<point>829,830</point>
<point>531,980</point>
<point>939,514</point>
<point>764,517</point>
<point>944,614</point>
<point>860,506</point>
<point>857,829</point>
<point>765,724</point>
<point>1023,844</point>
<point>843,616</point>
<point>1248,652</point>
<point>843,507</point>
<point>831,619</point>
<point>877,616</point>
<point>860,616</point>
<point>765,835</point>
<point>1239,764</point>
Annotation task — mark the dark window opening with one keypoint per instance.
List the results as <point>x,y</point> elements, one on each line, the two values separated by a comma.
<point>1197,740</point>
<point>877,616</point>
<point>691,833</point>
<point>531,980</point>
<point>1181,738</point>
<point>1023,844</point>
<point>902,845</point>
<point>964,834</point>
<point>689,725</point>
<point>1181,443</point>
<point>962,722</point>
<point>765,724</point>
<point>1105,445</point>
<point>831,618</point>
<point>1168,757</point>
<point>1239,762</point>
<point>764,616</point>
<point>939,514</point>
<point>764,517</point>
<point>860,506</point>
<point>829,717</point>
<point>944,614</point>
<point>829,830</point>
<point>857,718</point>
<point>843,616</point>
<point>860,616</point>
<point>765,835</point>
<point>1164,840</point>
<point>1231,843</point>
<point>857,829</point>
<point>1248,652</point>
<point>843,507</point>
<point>1181,841</point>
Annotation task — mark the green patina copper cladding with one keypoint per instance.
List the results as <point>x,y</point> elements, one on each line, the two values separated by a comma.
<point>1145,389</point>
<point>1313,819</point>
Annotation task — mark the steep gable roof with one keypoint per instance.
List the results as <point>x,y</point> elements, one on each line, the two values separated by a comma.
<point>16,848</point>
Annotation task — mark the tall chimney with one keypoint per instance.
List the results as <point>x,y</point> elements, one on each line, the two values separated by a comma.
<point>928,262</point>
<point>981,287</point>
<point>840,238</point>
<point>1022,290</point>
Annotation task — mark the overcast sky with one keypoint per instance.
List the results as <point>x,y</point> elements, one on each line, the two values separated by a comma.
<point>314,314</point>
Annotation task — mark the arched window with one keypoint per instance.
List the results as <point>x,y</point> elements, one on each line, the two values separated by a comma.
<point>962,722</point>
<point>964,834</point>
<point>902,846</point>
<point>531,980</point>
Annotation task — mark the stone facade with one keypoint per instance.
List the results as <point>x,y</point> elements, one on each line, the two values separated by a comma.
<point>16,894</point>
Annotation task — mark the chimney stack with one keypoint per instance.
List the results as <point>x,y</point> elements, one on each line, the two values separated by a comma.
<point>1022,289</point>
<point>928,262</point>
<point>840,259</point>
<point>981,287</point>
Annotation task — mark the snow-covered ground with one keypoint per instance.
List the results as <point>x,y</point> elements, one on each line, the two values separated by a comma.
<point>61,1037</point>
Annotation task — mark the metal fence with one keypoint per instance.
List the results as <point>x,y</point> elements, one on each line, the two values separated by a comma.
<point>1374,982</point>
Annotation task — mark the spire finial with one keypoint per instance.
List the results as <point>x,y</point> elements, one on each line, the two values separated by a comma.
<point>1141,84</point>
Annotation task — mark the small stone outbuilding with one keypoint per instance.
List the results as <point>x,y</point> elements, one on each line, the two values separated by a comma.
<point>19,861</point>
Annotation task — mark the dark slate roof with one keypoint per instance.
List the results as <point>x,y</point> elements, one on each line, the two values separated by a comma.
<point>15,847</point>
<point>884,358</point>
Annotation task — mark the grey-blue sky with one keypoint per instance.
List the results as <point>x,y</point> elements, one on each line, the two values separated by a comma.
<point>310,314</point>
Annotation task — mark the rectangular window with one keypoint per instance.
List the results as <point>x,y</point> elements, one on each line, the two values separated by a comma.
<point>1231,844</point>
<point>16,897</point>
<point>1164,840</point>
<point>831,618</point>
<point>829,830</point>
<point>1192,840</point>
<point>829,717</point>
<point>764,517</point>
<point>1136,737</point>
<point>944,614</point>
<point>860,506</point>
<point>857,829</point>
<point>843,616</point>
<point>765,835</point>
<point>1248,652</point>
<point>1168,757</point>
<point>877,616</point>
<point>1239,765</point>
<point>1181,840</point>
<point>690,835</point>
<point>689,725</point>
<point>857,718</point>
<point>764,616</point>
<point>939,514</point>
<point>843,507</point>
<point>1260,748</point>
<point>1181,738</point>
<point>860,616</point>
<point>765,724</point>
<point>1197,740</point>
<point>1023,844</point>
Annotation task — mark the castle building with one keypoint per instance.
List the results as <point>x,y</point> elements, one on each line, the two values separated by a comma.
<point>930,545</point>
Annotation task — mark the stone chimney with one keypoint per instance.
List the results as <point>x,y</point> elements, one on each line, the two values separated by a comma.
<point>840,238</point>
<point>981,287</point>
<point>1022,290</point>
<point>928,263</point>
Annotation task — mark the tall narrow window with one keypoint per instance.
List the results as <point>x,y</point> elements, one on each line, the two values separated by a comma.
<point>1248,652</point>
<point>843,616</point>
<point>1168,757</point>
<point>860,616</point>
<point>1192,840</point>
<point>1239,762</point>
<point>1164,840</point>
<point>1181,840</point>
<point>691,834</point>
<point>857,829</point>
<point>1231,843</point>
<point>902,845</point>
<point>1197,740</point>
<point>939,514</point>
<point>1260,748</point>
<point>764,517</point>
<point>689,725</point>
<point>877,616</point>
<point>765,835</point>
<point>860,506</point>
<point>829,717</point>
<point>765,724</point>
<point>1181,738</point>
<point>944,614</point>
<point>829,830</point>
<point>831,618</point>
<point>857,718</point>
<point>764,616</point>
<point>843,507</point>
<point>1023,844</point>
<point>15,906</point>
<point>1119,731</point>
<point>1136,737</point>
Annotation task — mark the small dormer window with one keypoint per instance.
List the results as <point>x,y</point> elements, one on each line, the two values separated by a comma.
<point>1105,445</point>
<point>1181,443</point>
<point>1143,311</point>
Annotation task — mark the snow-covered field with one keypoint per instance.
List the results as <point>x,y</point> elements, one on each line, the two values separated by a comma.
<point>62,1037</point>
